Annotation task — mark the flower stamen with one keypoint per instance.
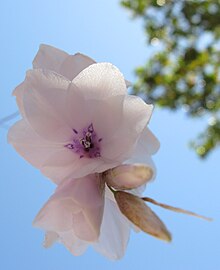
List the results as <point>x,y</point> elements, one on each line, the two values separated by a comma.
<point>86,144</point>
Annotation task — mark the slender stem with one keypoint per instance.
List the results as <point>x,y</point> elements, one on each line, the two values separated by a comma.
<point>175,209</point>
<point>112,190</point>
<point>9,117</point>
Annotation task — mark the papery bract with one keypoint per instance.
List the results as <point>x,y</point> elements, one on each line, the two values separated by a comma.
<point>77,116</point>
<point>141,215</point>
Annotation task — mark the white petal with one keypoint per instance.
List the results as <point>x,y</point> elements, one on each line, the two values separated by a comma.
<point>75,245</point>
<point>76,108</point>
<point>128,84</point>
<point>105,115</point>
<point>50,238</point>
<point>74,64</point>
<point>147,142</point>
<point>44,105</point>
<point>18,93</point>
<point>63,166</point>
<point>136,115</point>
<point>55,215</point>
<point>30,145</point>
<point>142,154</point>
<point>101,81</point>
<point>115,232</point>
<point>50,58</point>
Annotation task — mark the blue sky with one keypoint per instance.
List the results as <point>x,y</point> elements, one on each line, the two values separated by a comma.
<point>104,31</point>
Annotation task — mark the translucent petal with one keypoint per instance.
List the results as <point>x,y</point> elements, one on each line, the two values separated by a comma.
<point>101,81</point>
<point>136,115</point>
<point>76,205</point>
<point>50,238</point>
<point>30,145</point>
<point>75,245</point>
<point>105,115</point>
<point>44,105</point>
<point>18,93</point>
<point>147,142</point>
<point>49,57</point>
<point>115,231</point>
<point>67,164</point>
<point>74,64</point>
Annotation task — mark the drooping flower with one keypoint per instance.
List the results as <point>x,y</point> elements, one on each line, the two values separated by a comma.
<point>77,118</point>
<point>74,214</point>
<point>76,207</point>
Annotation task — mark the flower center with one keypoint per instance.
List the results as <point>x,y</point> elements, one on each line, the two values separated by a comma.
<point>85,143</point>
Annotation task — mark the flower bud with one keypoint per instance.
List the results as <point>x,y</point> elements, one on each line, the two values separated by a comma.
<point>141,215</point>
<point>128,176</point>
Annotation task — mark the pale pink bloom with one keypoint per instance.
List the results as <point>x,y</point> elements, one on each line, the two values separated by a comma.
<point>77,118</point>
<point>78,121</point>
<point>74,215</point>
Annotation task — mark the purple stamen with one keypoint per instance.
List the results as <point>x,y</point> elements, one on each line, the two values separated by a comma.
<point>70,146</point>
<point>85,143</point>
<point>90,128</point>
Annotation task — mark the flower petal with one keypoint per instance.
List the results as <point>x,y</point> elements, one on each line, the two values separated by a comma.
<point>136,115</point>
<point>141,156</point>
<point>148,143</point>
<point>115,231</point>
<point>146,146</point>
<point>101,81</point>
<point>128,176</point>
<point>44,105</point>
<point>49,57</point>
<point>30,145</point>
<point>50,238</point>
<point>105,115</point>
<point>75,245</point>
<point>19,93</point>
<point>128,84</point>
<point>66,164</point>
<point>74,64</point>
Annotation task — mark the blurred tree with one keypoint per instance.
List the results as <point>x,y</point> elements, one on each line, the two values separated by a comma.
<point>184,70</point>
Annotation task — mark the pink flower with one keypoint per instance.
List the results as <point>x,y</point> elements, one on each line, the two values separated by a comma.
<point>74,214</point>
<point>82,130</point>
<point>77,118</point>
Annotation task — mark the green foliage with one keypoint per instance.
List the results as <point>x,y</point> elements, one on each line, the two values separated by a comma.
<point>184,70</point>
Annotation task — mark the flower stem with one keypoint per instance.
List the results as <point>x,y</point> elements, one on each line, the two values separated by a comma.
<point>112,190</point>
<point>175,209</point>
